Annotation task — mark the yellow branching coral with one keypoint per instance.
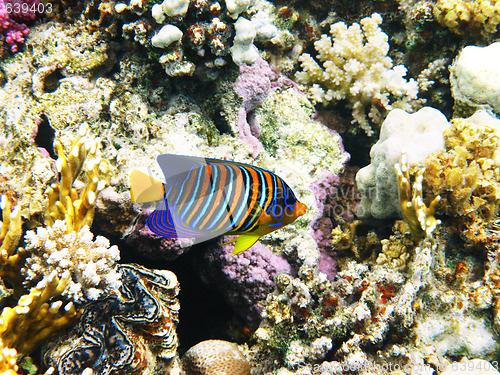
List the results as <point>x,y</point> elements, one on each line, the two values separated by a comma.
<point>10,229</point>
<point>64,201</point>
<point>11,257</point>
<point>419,217</point>
<point>35,318</point>
<point>461,15</point>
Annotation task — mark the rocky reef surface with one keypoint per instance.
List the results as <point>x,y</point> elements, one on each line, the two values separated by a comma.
<point>382,117</point>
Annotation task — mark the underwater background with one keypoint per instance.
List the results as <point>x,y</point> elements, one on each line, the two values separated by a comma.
<point>380,117</point>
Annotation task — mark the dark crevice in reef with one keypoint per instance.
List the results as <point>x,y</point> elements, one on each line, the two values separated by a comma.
<point>45,135</point>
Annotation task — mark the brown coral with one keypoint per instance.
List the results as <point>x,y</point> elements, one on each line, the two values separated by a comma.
<point>462,16</point>
<point>397,249</point>
<point>467,177</point>
<point>215,357</point>
<point>419,217</point>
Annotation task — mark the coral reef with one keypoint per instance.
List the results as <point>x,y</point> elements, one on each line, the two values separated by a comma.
<point>355,67</point>
<point>196,37</point>
<point>309,319</point>
<point>44,309</point>
<point>215,357</point>
<point>329,294</point>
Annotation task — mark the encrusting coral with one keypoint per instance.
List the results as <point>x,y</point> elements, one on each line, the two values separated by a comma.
<point>355,66</point>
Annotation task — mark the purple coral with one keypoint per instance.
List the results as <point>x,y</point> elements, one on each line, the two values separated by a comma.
<point>336,199</point>
<point>244,279</point>
<point>324,190</point>
<point>12,15</point>
<point>253,85</point>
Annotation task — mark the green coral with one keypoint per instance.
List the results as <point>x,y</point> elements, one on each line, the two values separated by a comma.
<point>287,131</point>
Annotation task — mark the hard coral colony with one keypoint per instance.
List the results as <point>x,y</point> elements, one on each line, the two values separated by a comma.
<point>397,272</point>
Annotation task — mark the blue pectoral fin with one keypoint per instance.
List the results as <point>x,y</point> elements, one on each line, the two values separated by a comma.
<point>244,242</point>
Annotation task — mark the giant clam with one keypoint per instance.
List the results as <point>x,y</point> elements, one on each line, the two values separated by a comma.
<point>129,334</point>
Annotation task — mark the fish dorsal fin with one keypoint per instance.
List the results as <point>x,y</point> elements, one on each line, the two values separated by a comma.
<point>144,188</point>
<point>175,167</point>
<point>245,241</point>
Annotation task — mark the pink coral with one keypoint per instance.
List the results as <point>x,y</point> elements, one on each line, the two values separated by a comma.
<point>253,85</point>
<point>12,15</point>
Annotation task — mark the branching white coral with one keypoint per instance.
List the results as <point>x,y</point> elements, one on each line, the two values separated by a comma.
<point>355,66</point>
<point>90,262</point>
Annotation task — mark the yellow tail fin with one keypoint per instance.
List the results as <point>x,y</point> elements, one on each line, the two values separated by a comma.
<point>244,242</point>
<point>144,188</point>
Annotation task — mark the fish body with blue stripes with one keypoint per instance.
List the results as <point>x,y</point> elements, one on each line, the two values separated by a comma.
<point>203,198</point>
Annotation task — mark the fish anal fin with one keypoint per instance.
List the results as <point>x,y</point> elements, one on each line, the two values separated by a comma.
<point>144,188</point>
<point>228,242</point>
<point>245,241</point>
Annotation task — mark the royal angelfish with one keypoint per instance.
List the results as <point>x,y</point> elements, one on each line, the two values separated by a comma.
<point>203,198</point>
